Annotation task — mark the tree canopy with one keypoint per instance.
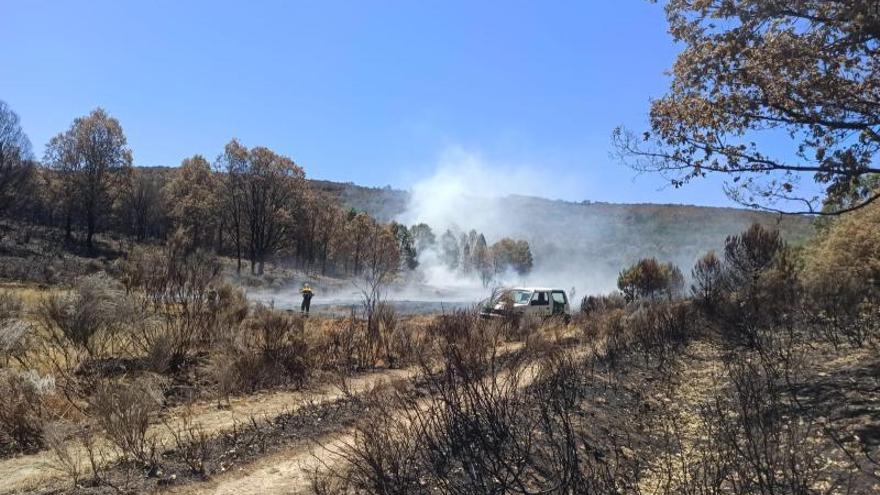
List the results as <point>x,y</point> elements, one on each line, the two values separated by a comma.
<point>805,72</point>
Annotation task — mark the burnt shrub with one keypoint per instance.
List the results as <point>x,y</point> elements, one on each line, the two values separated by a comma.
<point>659,331</point>
<point>752,437</point>
<point>85,317</point>
<point>769,301</point>
<point>756,286</point>
<point>523,430</point>
<point>591,305</point>
<point>408,344</point>
<point>269,349</point>
<point>707,287</point>
<point>124,410</point>
<point>23,414</point>
<point>15,333</point>
<point>182,288</point>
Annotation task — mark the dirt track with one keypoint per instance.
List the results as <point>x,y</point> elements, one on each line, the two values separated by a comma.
<point>32,471</point>
<point>290,470</point>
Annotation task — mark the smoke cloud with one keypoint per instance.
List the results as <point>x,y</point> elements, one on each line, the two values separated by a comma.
<point>498,200</point>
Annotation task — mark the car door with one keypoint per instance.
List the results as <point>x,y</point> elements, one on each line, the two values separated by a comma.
<point>559,302</point>
<point>540,304</point>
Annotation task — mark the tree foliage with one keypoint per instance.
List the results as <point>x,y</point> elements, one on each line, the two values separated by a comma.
<point>91,158</point>
<point>650,279</point>
<point>751,70</point>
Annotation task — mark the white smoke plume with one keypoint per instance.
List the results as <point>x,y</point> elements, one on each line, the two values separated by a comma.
<point>468,192</point>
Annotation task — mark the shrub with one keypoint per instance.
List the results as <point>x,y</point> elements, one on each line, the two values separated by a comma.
<point>22,411</point>
<point>748,255</point>
<point>124,410</point>
<point>659,331</point>
<point>85,317</point>
<point>842,278</point>
<point>269,350</point>
<point>707,287</point>
<point>650,279</point>
<point>181,286</point>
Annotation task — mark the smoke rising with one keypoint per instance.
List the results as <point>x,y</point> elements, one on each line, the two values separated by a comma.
<point>468,192</point>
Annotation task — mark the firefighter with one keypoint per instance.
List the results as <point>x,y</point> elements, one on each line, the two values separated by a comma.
<point>307,298</point>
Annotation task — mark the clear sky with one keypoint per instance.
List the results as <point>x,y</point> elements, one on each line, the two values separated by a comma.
<point>370,92</point>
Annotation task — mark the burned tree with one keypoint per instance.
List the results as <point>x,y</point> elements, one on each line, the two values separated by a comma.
<point>16,157</point>
<point>90,158</point>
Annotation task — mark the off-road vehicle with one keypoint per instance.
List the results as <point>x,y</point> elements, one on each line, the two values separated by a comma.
<point>526,301</point>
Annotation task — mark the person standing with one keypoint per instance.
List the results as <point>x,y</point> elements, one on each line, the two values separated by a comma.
<point>307,299</point>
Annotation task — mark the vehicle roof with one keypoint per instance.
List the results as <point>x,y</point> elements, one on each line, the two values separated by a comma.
<point>533,289</point>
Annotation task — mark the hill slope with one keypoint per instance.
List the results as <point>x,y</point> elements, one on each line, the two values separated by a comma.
<point>585,243</point>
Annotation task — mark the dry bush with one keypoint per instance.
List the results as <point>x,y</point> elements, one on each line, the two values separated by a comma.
<point>22,411</point>
<point>386,322</point>
<point>707,287</point>
<point>348,345</point>
<point>68,460</point>
<point>339,346</point>
<point>85,318</point>
<point>605,332</point>
<point>591,305</point>
<point>482,433</point>
<point>842,310</point>
<point>660,331</point>
<point>192,308</point>
<point>753,437</point>
<point>841,274</point>
<point>15,333</point>
<point>408,344</point>
<point>10,305</point>
<point>269,350</point>
<point>466,340</point>
<point>124,411</point>
<point>192,443</point>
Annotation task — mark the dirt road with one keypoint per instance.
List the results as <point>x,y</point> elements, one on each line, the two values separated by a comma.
<point>290,471</point>
<point>31,471</point>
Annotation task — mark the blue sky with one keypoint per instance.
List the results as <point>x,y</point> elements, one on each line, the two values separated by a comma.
<point>370,92</point>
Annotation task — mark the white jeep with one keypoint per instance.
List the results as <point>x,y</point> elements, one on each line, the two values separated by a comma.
<point>522,301</point>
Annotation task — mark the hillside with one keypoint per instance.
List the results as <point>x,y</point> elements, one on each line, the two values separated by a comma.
<point>585,243</point>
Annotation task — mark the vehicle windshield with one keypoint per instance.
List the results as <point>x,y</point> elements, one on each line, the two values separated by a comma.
<point>520,296</point>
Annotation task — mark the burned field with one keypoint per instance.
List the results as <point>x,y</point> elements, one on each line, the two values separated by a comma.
<point>731,389</point>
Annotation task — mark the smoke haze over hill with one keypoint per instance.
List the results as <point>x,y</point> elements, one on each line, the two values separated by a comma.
<point>574,244</point>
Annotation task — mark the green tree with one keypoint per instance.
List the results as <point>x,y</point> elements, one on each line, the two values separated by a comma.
<point>650,279</point>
